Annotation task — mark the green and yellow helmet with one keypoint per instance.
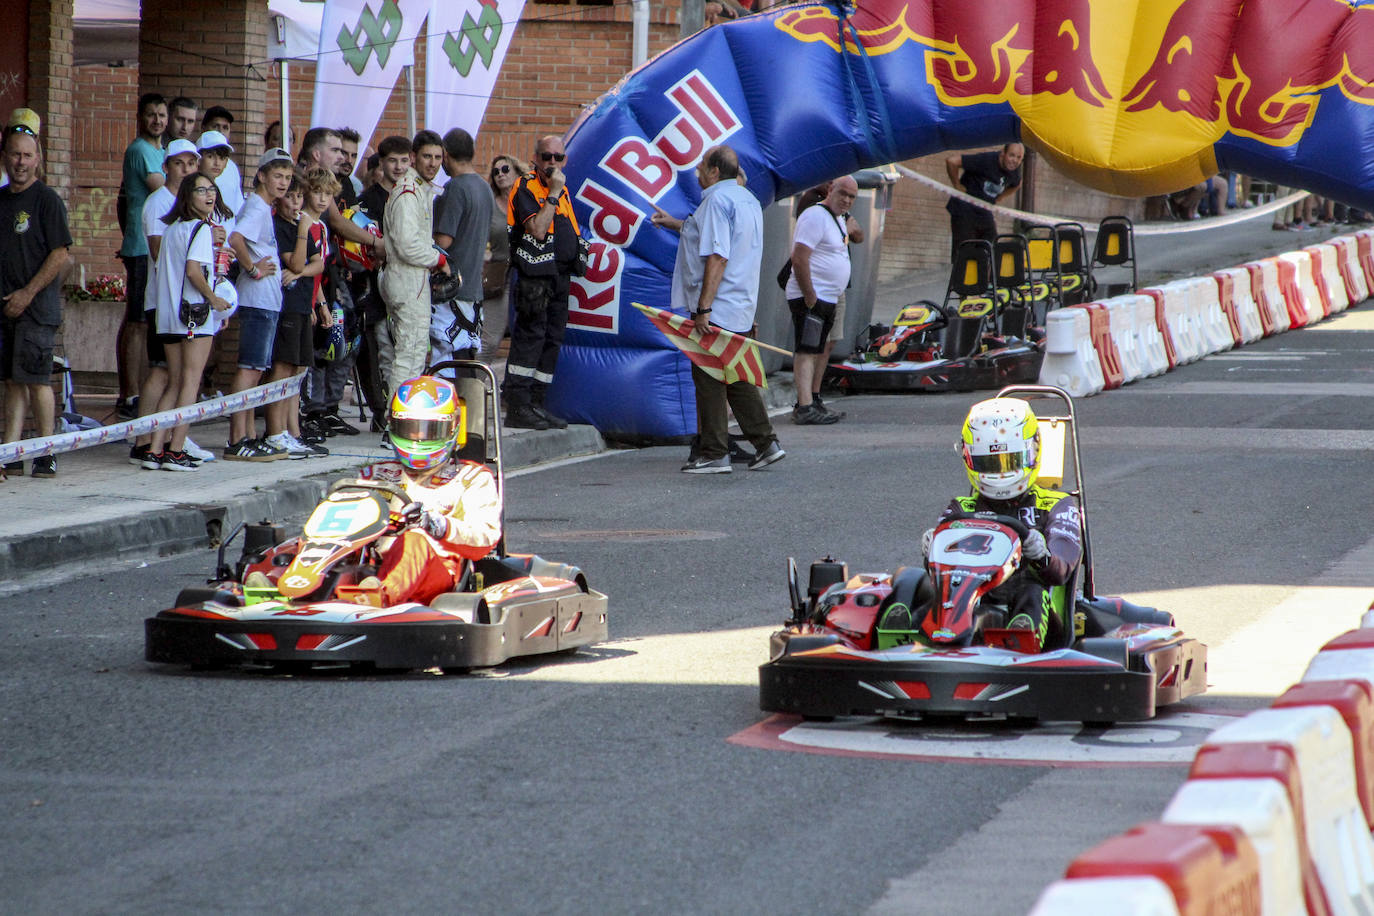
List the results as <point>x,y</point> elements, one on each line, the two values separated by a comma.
<point>1001,447</point>
<point>428,422</point>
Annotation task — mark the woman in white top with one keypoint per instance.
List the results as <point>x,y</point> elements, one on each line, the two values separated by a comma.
<point>185,264</point>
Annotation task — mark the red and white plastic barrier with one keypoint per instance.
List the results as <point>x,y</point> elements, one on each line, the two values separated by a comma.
<point>1071,362</point>
<point>1326,272</point>
<point>1126,334</point>
<point>1100,329</point>
<point>1238,301</point>
<point>1364,243</point>
<point>1138,895</point>
<point>1352,272</point>
<point>1299,289</point>
<point>1264,286</point>
<point>1181,320</point>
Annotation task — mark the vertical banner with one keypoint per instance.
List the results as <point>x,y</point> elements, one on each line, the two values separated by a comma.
<point>467,43</point>
<point>364,44</point>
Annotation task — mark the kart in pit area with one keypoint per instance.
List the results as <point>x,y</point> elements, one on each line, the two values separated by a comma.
<point>980,337</point>
<point>927,641</point>
<point>316,615</point>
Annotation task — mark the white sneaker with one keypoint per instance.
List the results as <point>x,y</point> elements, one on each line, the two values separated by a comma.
<point>288,443</point>
<point>196,452</point>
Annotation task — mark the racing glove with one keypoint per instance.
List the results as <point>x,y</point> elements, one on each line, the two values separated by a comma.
<point>925,541</point>
<point>432,523</point>
<point>1034,546</point>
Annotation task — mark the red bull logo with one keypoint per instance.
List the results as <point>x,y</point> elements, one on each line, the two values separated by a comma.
<point>1137,87</point>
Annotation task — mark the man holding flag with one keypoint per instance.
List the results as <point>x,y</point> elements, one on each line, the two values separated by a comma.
<point>716,281</point>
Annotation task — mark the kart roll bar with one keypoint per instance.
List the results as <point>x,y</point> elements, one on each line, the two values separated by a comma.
<point>1043,392</point>
<point>479,372</point>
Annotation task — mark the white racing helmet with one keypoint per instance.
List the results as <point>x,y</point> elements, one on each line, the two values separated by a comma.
<point>1001,447</point>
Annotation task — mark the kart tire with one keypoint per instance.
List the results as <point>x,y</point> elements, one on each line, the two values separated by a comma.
<point>1112,650</point>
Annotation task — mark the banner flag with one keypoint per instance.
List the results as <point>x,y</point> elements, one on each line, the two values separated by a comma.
<point>466,43</point>
<point>364,45</point>
<point>720,353</point>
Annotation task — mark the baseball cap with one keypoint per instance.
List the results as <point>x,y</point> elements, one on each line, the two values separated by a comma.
<point>273,156</point>
<point>213,139</point>
<point>177,147</point>
<point>24,119</point>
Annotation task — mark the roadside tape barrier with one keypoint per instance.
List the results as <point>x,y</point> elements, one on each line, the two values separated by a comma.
<point>1330,275</point>
<point>1208,868</point>
<point>1126,336</point>
<point>1070,361</point>
<point>1352,272</point>
<point>1041,219</point>
<point>1353,698</point>
<point>1263,809</point>
<point>1238,300</point>
<point>1264,286</point>
<point>1337,835</point>
<point>1140,895</point>
<point>115,432</point>
<point>1100,329</point>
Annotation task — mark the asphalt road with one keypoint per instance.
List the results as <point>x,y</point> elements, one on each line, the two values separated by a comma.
<point>1233,492</point>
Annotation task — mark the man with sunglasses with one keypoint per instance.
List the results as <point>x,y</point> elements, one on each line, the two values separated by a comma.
<point>544,253</point>
<point>34,243</point>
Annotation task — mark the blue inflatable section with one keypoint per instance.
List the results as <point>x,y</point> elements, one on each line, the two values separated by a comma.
<point>1269,87</point>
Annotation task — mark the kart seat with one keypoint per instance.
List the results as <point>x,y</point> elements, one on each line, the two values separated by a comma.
<point>473,394</point>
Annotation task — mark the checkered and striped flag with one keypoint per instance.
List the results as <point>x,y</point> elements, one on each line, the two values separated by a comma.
<point>722,354</point>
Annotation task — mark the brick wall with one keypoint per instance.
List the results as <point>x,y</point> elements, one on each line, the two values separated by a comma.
<point>105,127</point>
<point>49,85</point>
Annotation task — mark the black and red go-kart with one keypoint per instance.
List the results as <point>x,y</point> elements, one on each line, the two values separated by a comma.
<point>927,641</point>
<point>315,615</point>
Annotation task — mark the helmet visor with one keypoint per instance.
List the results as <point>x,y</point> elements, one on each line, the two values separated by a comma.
<point>419,430</point>
<point>998,462</point>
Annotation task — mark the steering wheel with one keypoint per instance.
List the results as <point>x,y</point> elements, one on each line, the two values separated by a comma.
<point>385,489</point>
<point>1015,524</point>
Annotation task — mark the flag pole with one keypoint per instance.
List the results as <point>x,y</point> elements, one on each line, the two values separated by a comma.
<point>765,346</point>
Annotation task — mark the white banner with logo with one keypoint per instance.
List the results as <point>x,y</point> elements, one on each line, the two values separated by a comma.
<point>364,44</point>
<point>468,40</point>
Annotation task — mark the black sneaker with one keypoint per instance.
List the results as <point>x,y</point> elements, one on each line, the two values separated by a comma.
<point>811,415</point>
<point>45,466</point>
<point>14,469</point>
<point>177,461</point>
<point>313,430</point>
<point>554,421</point>
<point>838,414</point>
<point>152,461</point>
<point>526,418</point>
<point>138,453</point>
<point>127,409</point>
<point>335,425</point>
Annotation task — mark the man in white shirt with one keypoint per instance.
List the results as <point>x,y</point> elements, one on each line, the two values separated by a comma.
<point>230,182</point>
<point>820,273</point>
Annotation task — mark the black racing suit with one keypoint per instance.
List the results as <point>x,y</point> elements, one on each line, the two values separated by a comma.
<point>1030,590</point>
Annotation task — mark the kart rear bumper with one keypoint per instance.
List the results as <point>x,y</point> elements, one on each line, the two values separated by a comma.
<point>1014,366</point>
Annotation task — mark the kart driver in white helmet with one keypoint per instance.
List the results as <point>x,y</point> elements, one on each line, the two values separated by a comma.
<point>1001,450</point>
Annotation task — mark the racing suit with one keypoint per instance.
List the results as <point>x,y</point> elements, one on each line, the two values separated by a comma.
<point>416,565</point>
<point>1030,590</point>
<point>404,279</point>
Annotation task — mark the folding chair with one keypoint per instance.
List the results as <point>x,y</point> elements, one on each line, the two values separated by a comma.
<point>1115,248</point>
<point>1074,270</point>
<point>970,298</point>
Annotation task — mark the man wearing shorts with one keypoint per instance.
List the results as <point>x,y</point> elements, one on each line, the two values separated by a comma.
<point>820,273</point>
<point>34,242</point>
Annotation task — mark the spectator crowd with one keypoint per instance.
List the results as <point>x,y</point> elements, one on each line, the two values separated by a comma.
<point>323,274</point>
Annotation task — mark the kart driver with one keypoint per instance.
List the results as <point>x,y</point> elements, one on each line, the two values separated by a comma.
<point>455,511</point>
<point>1001,449</point>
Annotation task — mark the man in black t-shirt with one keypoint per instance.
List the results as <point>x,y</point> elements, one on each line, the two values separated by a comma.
<point>990,176</point>
<point>34,242</point>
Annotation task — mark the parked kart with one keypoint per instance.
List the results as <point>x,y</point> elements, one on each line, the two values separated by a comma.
<point>927,641</point>
<point>315,614</point>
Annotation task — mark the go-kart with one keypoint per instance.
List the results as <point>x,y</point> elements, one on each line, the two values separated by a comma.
<point>313,610</point>
<point>929,641</point>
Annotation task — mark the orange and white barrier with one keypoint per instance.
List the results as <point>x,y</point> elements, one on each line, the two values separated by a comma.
<point>1326,273</point>
<point>1183,322</point>
<point>1353,698</point>
<point>1338,839</point>
<point>1364,242</point>
<point>1071,362</point>
<point>1100,329</point>
<point>1352,272</point>
<point>1206,304</point>
<point>1138,895</point>
<point>1126,334</point>
<point>1238,302</point>
<point>1264,285</point>
<point>1299,289</point>
<point>1208,868</point>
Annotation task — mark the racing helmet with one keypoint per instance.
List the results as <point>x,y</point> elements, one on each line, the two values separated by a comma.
<point>1001,447</point>
<point>428,421</point>
<point>355,256</point>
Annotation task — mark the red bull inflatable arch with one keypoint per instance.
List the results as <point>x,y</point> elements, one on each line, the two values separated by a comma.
<point>1135,97</point>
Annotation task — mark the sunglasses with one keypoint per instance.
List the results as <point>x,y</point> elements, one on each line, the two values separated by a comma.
<point>553,157</point>
<point>500,170</point>
<point>22,129</point>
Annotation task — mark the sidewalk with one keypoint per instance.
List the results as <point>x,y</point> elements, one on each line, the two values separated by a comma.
<point>99,508</point>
